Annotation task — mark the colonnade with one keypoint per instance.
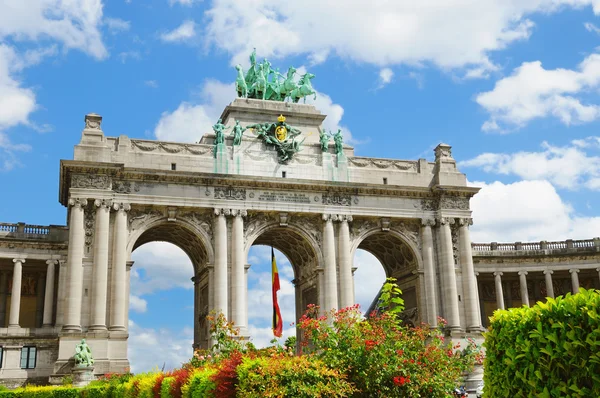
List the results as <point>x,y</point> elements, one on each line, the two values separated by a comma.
<point>47,301</point>
<point>523,289</point>
<point>99,296</point>
<point>449,290</point>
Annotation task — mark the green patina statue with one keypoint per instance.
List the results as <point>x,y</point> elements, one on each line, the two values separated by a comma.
<point>339,145</point>
<point>219,130</point>
<point>324,140</point>
<point>83,355</point>
<point>280,135</point>
<point>263,82</point>
<point>238,132</point>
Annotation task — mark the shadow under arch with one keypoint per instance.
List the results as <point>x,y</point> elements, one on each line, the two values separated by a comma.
<point>304,254</point>
<point>192,240</point>
<point>398,255</point>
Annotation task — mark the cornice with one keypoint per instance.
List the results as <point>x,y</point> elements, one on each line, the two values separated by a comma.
<point>143,175</point>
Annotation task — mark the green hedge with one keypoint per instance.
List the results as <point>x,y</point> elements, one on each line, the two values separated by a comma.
<point>290,377</point>
<point>549,350</point>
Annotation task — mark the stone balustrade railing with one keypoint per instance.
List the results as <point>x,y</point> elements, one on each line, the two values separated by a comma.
<point>20,231</point>
<point>582,245</point>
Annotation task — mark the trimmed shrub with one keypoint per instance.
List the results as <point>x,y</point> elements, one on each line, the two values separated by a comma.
<point>165,387</point>
<point>549,350</point>
<point>290,377</point>
<point>200,384</point>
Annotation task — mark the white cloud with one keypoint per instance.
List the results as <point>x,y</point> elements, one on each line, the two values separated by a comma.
<point>126,55</point>
<point>571,167</point>
<point>385,76</point>
<point>149,349</point>
<point>189,122</point>
<point>137,304</point>
<point>446,33</point>
<point>151,83</point>
<point>116,25</point>
<point>526,211</point>
<point>591,27</point>
<point>368,278</point>
<point>183,32</point>
<point>533,92</point>
<point>75,24</point>
<point>160,266</point>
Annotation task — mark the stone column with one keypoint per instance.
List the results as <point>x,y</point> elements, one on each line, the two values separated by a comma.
<point>549,286</point>
<point>220,272</point>
<point>49,294</point>
<point>331,297</point>
<point>429,270</point>
<point>72,318</point>
<point>100,270</point>
<point>574,279</point>
<point>15,299</point>
<point>523,286</point>
<point>118,299</point>
<point>449,289</point>
<point>3,294</point>
<point>499,293</point>
<point>346,279</point>
<point>473,316</point>
<point>239,302</point>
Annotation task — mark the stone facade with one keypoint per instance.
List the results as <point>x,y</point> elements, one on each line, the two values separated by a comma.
<point>318,209</point>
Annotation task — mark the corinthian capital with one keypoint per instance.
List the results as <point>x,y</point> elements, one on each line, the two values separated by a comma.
<point>78,202</point>
<point>465,221</point>
<point>239,212</point>
<point>427,222</point>
<point>328,217</point>
<point>121,206</point>
<point>446,220</point>
<point>104,203</point>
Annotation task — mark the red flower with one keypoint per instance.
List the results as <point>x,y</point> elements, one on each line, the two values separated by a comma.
<point>400,352</point>
<point>401,380</point>
<point>370,344</point>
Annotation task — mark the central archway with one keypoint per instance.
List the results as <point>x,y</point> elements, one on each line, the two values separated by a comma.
<point>300,245</point>
<point>397,251</point>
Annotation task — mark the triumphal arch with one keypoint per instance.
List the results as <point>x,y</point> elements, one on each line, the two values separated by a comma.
<point>269,174</point>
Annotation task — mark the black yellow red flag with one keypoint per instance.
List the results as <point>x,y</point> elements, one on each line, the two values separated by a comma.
<point>277,322</point>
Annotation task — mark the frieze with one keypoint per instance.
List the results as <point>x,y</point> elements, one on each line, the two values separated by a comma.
<point>454,202</point>
<point>90,181</point>
<point>151,146</point>
<point>337,199</point>
<point>230,193</point>
<point>383,163</point>
<point>427,204</point>
<point>125,187</point>
<point>55,247</point>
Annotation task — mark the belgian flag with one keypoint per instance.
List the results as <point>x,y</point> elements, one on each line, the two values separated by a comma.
<point>277,322</point>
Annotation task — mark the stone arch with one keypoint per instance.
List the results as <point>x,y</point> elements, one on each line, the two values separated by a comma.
<point>193,241</point>
<point>301,247</point>
<point>399,254</point>
<point>298,245</point>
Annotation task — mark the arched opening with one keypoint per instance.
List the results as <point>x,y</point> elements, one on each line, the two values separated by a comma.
<point>168,292</point>
<point>397,257</point>
<point>368,279</point>
<point>297,262</point>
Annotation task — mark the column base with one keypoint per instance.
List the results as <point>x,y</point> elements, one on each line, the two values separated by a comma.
<point>117,328</point>
<point>71,328</point>
<point>97,328</point>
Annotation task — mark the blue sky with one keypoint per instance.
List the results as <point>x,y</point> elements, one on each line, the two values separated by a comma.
<point>511,85</point>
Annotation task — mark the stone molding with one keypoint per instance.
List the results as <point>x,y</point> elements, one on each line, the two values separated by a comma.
<point>91,181</point>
